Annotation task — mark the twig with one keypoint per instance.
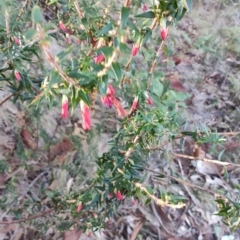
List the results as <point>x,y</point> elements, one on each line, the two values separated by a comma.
<point>79,10</point>
<point>7,98</point>
<point>194,199</point>
<point>185,182</point>
<point>154,63</point>
<point>136,230</point>
<point>22,10</point>
<point>28,218</point>
<point>204,159</point>
<point>229,133</point>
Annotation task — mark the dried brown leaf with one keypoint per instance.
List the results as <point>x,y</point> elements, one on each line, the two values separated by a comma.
<point>72,235</point>
<point>176,84</point>
<point>232,145</point>
<point>64,146</point>
<point>28,139</point>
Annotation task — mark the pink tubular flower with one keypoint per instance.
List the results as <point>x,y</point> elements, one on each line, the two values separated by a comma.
<point>134,202</point>
<point>86,125</point>
<point>110,90</point>
<point>99,58</point>
<point>135,50</point>
<point>17,41</point>
<point>107,101</point>
<point>134,104</point>
<point>17,75</point>
<point>110,100</point>
<point>119,196</point>
<point>64,107</point>
<point>144,7</point>
<point>149,100</point>
<point>64,28</point>
<point>79,207</point>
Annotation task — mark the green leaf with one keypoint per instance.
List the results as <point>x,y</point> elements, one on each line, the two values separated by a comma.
<point>124,16</point>
<point>81,95</point>
<point>117,70</point>
<point>147,201</point>
<point>54,79</point>
<point>147,35</point>
<point>30,34</point>
<point>149,14</point>
<point>189,3</point>
<point>102,85</point>
<point>157,88</point>
<point>37,14</point>
<point>64,53</point>
<point>185,4</point>
<point>3,6</point>
<point>107,51</point>
<point>105,29</point>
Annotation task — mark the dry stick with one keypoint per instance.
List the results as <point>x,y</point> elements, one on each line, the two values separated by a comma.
<point>229,133</point>
<point>7,98</point>
<point>28,218</point>
<point>80,13</point>
<point>136,230</point>
<point>7,28</point>
<point>204,159</point>
<point>185,182</point>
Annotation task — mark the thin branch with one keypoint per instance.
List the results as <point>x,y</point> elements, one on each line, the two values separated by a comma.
<point>22,10</point>
<point>7,98</point>
<point>204,159</point>
<point>79,10</point>
<point>28,218</point>
<point>154,63</point>
<point>185,182</point>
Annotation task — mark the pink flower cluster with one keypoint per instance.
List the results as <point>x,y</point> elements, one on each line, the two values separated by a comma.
<point>86,124</point>
<point>110,100</point>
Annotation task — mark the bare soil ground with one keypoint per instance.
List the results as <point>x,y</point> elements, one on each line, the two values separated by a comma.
<point>204,61</point>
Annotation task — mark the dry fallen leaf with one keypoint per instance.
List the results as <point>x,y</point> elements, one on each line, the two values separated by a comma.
<point>72,235</point>
<point>176,84</point>
<point>28,139</point>
<point>64,146</point>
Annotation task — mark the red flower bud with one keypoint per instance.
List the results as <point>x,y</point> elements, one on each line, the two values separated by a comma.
<point>64,28</point>
<point>163,29</point>
<point>99,58</point>
<point>17,75</point>
<point>163,34</point>
<point>144,7</point>
<point>134,104</point>
<point>17,41</point>
<point>119,196</point>
<point>135,50</point>
<point>79,207</point>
